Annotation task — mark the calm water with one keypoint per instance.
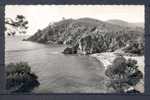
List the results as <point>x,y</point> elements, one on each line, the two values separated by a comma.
<point>57,72</point>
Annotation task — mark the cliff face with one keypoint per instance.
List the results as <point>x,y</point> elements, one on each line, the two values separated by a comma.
<point>88,35</point>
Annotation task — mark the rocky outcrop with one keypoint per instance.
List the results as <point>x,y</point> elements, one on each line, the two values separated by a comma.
<point>89,44</point>
<point>70,50</point>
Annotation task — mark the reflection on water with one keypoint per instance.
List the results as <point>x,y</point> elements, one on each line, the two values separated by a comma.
<point>57,72</point>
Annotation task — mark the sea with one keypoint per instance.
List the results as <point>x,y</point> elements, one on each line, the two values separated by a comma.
<point>57,72</point>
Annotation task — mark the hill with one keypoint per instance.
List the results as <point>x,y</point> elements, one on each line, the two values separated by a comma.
<point>87,35</point>
<point>126,24</point>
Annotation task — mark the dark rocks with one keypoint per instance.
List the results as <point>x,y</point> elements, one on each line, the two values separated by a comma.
<point>70,50</point>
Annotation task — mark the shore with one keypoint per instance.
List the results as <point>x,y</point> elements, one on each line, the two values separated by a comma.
<point>107,58</point>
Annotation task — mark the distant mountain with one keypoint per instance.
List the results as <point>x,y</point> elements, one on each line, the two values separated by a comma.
<point>118,22</point>
<point>139,24</point>
<point>87,35</point>
<point>125,24</point>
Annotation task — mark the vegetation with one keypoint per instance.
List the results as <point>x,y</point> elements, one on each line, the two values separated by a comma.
<point>17,25</point>
<point>123,74</point>
<point>85,36</point>
<point>20,78</point>
<point>135,47</point>
<point>88,35</point>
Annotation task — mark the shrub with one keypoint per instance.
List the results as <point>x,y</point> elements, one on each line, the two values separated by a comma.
<point>123,74</point>
<point>135,47</point>
<point>20,78</point>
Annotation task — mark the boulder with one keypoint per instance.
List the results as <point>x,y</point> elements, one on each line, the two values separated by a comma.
<point>70,50</point>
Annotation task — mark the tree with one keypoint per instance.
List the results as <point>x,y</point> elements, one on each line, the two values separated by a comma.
<point>123,74</point>
<point>135,47</point>
<point>20,78</point>
<point>63,18</point>
<point>17,25</point>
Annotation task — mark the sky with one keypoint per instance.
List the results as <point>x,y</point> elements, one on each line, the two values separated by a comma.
<point>40,16</point>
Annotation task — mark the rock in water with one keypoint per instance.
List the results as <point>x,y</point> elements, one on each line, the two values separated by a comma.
<point>70,50</point>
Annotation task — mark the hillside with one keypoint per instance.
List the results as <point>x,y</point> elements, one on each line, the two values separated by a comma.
<point>87,35</point>
<point>126,24</point>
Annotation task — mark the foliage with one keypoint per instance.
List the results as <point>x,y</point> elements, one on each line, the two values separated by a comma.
<point>17,25</point>
<point>123,74</point>
<point>20,78</point>
<point>88,35</point>
<point>135,47</point>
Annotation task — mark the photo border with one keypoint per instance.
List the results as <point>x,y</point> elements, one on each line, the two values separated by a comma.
<point>79,96</point>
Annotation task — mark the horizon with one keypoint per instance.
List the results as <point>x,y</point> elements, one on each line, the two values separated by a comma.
<point>48,14</point>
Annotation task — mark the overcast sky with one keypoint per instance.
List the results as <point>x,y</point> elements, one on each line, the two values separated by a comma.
<point>40,16</point>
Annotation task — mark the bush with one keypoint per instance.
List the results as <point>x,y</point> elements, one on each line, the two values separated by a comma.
<point>20,78</point>
<point>123,74</point>
<point>135,47</point>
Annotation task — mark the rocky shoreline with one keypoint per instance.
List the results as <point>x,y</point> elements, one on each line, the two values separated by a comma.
<point>107,58</point>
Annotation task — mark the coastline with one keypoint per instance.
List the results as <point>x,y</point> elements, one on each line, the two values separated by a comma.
<point>107,58</point>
